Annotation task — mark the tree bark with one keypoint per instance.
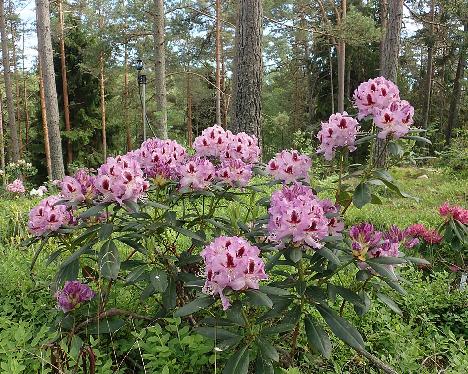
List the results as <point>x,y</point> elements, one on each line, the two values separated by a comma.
<point>17,83</point>
<point>63,64</point>
<point>2,141</point>
<point>427,90</point>
<point>248,69</point>
<point>44,42</point>
<point>189,111</point>
<point>341,54</point>
<point>218,62</point>
<point>25,100</point>
<point>160,69</point>
<point>45,127</point>
<point>128,131</point>
<point>102,90</point>
<point>456,92</point>
<point>14,149</point>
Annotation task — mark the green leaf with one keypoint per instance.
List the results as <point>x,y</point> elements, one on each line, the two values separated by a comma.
<point>389,260</point>
<point>263,367</point>
<point>238,363</point>
<point>295,254</point>
<point>136,275</point>
<point>77,254</point>
<point>154,204</point>
<point>389,302</point>
<point>417,261</point>
<point>362,195</point>
<point>133,244</point>
<point>169,296</point>
<point>257,297</point>
<point>93,211</point>
<point>194,306</point>
<point>361,310</point>
<point>273,261</point>
<point>158,279</point>
<point>317,337</point>
<point>68,272</point>
<point>216,333</point>
<point>420,139</point>
<point>341,328</point>
<point>188,233</point>
<point>329,255</point>
<point>274,291</point>
<point>383,270</point>
<point>105,231</point>
<point>267,350</point>
<point>278,329</point>
<point>105,326</point>
<point>349,295</point>
<point>365,139</point>
<point>109,260</point>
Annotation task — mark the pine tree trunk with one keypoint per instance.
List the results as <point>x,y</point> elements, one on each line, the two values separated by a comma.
<point>427,90</point>
<point>160,69</point>
<point>102,94</point>
<point>17,84</point>
<point>14,149</point>
<point>248,69</point>
<point>2,141</point>
<point>44,42</point>
<point>341,54</point>
<point>63,63</point>
<point>45,127</point>
<point>128,131</point>
<point>189,111</point>
<point>456,92</point>
<point>25,101</point>
<point>218,62</point>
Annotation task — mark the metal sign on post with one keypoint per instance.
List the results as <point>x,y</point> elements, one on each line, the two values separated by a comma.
<point>142,87</point>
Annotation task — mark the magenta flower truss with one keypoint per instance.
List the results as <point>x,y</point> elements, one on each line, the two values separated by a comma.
<point>296,213</point>
<point>121,179</point>
<point>16,187</point>
<point>394,121</point>
<point>455,211</point>
<point>48,217</point>
<point>231,262</point>
<point>78,188</point>
<point>340,131</point>
<point>197,173</point>
<point>419,231</point>
<point>160,158</point>
<point>375,94</point>
<point>72,295</point>
<point>364,239</point>
<point>331,211</point>
<point>289,166</point>
<point>403,237</point>
<point>234,173</point>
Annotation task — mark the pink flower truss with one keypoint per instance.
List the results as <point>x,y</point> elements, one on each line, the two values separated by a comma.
<point>456,212</point>
<point>289,166</point>
<point>242,146</point>
<point>364,239</point>
<point>49,217</point>
<point>197,173</point>
<point>331,211</point>
<point>394,121</point>
<point>234,173</point>
<point>377,93</point>
<point>16,187</point>
<point>72,295</point>
<point>339,131</point>
<point>231,262</point>
<point>121,179</point>
<point>429,236</point>
<point>296,212</point>
<point>160,157</point>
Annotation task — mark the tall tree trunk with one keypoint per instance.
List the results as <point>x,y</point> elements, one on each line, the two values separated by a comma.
<point>160,69</point>
<point>14,148</point>
<point>25,100</point>
<point>189,110</point>
<point>63,63</point>
<point>17,83</point>
<point>44,42</point>
<point>102,90</point>
<point>456,92</point>
<point>224,99</point>
<point>389,62</point>
<point>427,90</point>
<point>2,141</point>
<point>45,127</point>
<point>332,89</point>
<point>341,54</point>
<point>218,62</point>
<point>128,131</point>
<point>248,69</point>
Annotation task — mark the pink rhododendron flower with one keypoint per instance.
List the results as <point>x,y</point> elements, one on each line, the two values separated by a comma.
<point>160,157</point>
<point>72,295</point>
<point>49,217</point>
<point>212,141</point>
<point>455,211</point>
<point>197,173</point>
<point>242,146</point>
<point>296,212</point>
<point>339,131</point>
<point>121,179</point>
<point>289,166</point>
<point>16,187</point>
<point>394,121</point>
<point>364,239</point>
<point>375,94</point>
<point>331,211</point>
<point>231,262</point>
<point>78,188</point>
<point>429,236</point>
<point>234,173</point>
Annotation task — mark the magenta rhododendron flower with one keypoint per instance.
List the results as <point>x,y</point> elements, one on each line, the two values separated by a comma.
<point>197,173</point>
<point>394,121</point>
<point>296,212</point>
<point>429,236</point>
<point>121,179</point>
<point>375,94</point>
<point>339,131</point>
<point>72,295</point>
<point>289,166</point>
<point>364,239</point>
<point>48,216</point>
<point>231,262</point>
<point>16,187</point>
<point>455,211</point>
<point>234,173</point>
<point>160,157</point>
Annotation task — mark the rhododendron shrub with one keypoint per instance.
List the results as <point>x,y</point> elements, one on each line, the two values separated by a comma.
<point>245,251</point>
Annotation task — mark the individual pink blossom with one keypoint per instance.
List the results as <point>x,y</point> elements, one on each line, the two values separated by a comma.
<point>16,187</point>
<point>160,158</point>
<point>296,213</point>
<point>231,262</point>
<point>340,131</point>
<point>121,179</point>
<point>234,173</point>
<point>394,121</point>
<point>331,211</point>
<point>48,216</point>
<point>364,238</point>
<point>197,173</point>
<point>72,295</point>
<point>375,94</point>
<point>289,166</point>
<point>455,211</point>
